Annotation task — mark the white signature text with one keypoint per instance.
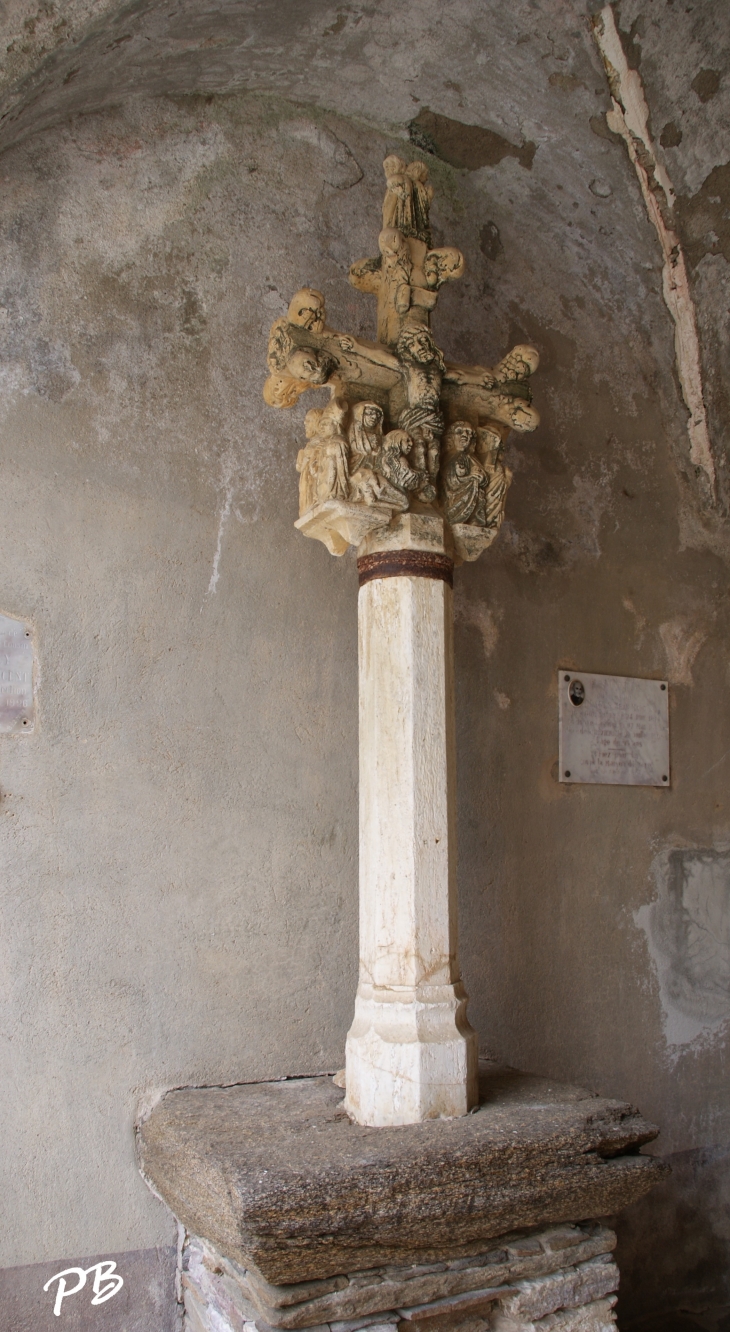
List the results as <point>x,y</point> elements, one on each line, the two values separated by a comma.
<point>107,1282</point>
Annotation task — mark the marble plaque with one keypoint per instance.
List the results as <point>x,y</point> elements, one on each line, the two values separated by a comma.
<point>614,729</point>
<point>17,712</point>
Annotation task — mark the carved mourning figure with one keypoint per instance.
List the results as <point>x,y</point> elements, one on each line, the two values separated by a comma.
<point>393,467</point>
<point>366,432</point>
<point>463,479</point>
<point>408,196</point>
<point>489,453</point>
<point>323,463</point>
<point>404,428</point>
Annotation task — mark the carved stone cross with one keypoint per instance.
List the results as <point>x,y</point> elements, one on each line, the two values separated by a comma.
<point>403,462</point>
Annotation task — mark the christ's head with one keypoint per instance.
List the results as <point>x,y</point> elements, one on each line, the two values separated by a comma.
<point>416,346</point>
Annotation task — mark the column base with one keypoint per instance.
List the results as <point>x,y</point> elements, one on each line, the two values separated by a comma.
<point>410,1055</point>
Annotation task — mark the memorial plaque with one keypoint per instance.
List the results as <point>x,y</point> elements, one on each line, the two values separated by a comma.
<point>614,729</point>
<point>17,712</point>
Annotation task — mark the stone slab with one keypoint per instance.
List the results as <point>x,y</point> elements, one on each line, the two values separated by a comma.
<point>277,1177</point>
<point>526,1280</point>
<point>514,1260</point>
<point>595,1317</point>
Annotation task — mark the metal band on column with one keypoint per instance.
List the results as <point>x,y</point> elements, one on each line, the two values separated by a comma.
<point>406,564</point>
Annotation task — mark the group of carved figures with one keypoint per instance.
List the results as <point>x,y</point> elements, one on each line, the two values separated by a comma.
<point>350,456</point>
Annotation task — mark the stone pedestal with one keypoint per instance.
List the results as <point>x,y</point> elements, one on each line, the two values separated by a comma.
<point>411,1054</point>
<point>277,1179</point>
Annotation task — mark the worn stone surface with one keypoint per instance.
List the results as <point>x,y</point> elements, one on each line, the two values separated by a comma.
<point>588,1282</point>
<point>277,1177</point>
<point>528,1278</point>
<point>514,1258</point>
<point>688,932</point>
<point>595,1317</point>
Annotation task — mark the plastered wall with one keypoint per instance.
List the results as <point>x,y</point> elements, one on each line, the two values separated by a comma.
<point>179,832</point>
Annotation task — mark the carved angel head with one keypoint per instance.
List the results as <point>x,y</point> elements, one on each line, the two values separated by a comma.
<point>418,171</point>
<point>394,166</point>
<point>310,366</point>
<point>392,244</point>
<point>306,308</point>
<point>441,266</point>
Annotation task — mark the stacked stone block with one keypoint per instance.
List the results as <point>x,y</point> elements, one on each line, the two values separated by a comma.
<point>558,1279</point>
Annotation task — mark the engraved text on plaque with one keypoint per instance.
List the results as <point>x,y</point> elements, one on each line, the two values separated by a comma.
<point>16,677</point>
<point>614,729</point>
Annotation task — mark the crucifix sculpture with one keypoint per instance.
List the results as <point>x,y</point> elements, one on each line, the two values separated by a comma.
<point>404,463</point>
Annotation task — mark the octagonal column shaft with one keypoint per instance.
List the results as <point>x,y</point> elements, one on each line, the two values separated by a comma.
<point>411,1054</point>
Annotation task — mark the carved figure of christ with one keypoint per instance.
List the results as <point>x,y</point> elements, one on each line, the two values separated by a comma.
<point>475,393</point>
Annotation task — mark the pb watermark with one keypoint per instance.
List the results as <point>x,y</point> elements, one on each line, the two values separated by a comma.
<point>107,1282</point>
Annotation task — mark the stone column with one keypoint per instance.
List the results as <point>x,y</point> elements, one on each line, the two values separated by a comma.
<point>411,1054</point>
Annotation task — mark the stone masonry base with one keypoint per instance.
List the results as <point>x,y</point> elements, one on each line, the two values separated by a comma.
<point>555,1279</point>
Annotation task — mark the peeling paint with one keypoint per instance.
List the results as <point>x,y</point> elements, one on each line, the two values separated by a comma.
<point>629,117</point>
<point>681,644</point>
<point>687,929</point>
<point>340,170</point>
<point>641,621</point>
<point>229,491</point>
<point>468,147</point>
<point>480,617</point>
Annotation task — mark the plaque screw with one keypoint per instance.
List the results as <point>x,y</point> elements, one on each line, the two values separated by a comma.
<point>665,779</point>
<point>567,678</point>
<point>567,772</point>
<point>25,721</point>
<point>663,687</point>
